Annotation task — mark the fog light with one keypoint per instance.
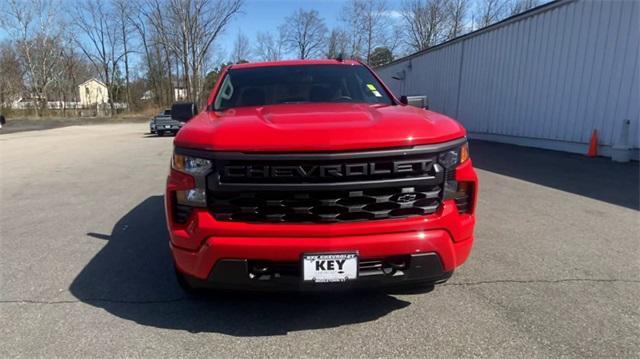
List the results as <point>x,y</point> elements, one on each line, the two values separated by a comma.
<point>192,197</point>
<point>196,195</point>
<point>388,270</point>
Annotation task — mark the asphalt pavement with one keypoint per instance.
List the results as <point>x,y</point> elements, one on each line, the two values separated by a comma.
<point>85,268</point>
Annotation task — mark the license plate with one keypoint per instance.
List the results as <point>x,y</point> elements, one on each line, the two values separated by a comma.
<point>167,126</point>
<point>329,267</point>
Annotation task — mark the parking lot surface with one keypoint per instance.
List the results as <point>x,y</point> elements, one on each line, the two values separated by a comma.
<point>86,272</point>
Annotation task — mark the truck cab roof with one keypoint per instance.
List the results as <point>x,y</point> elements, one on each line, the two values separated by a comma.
<point>294,63</point>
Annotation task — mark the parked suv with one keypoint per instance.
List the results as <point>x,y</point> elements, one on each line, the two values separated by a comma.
<point>311,175</point>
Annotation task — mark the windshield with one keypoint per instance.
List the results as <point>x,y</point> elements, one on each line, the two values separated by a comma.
<point>262,86</point>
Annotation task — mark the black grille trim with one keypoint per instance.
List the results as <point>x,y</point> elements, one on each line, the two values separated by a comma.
<point>325,206</point>
<point>412,190</point>
<point>395,182</point>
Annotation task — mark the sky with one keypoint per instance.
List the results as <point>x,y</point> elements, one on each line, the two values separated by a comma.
<point>267,15</point>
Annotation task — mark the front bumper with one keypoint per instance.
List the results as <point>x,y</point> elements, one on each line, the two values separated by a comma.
<point>447,234</point>
<point>235,274</point>
<point>217,253</point>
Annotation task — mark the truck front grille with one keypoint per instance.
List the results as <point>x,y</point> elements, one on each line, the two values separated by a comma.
<point>333,187</point>
<point>325,206</point>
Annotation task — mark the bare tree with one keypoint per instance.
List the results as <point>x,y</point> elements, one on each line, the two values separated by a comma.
<point>241,49</point>
<point>268,47</point>
<point>99,40</point>
<point>139,21</point>
<point>424,22</point>
<point>11,74</point>
<point>457,11</point>
<point>123,10</point>
<point>368,17</point>
<point>304,32</point>
<point>75,69</point>
<point>189,30</point>
<point>166,51</point>
<point>490,11</point>
<point>394,41</point>
<point>337,44</point>
<point>37,33</point>
<point>518,6</point>
<point>352,25</point>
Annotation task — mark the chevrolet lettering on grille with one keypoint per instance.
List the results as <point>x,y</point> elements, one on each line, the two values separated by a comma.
<point>325,171</point>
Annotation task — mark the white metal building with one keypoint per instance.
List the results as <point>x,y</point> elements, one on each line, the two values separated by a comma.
<point>545,78</point>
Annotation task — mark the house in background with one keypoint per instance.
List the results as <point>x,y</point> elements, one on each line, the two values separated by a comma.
<point>179,93</point>
<point>93,92</point>
<point>147,95</point>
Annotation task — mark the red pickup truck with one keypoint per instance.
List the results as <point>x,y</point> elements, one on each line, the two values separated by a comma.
<point>310,175</point>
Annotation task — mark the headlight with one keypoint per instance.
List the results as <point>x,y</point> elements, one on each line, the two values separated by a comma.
<point>452,158</point>
<point>459,191</point>
<point>191,165</point>
<point>197,168</point>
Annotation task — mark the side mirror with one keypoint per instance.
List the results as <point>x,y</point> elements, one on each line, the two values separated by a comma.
<point>183,111</point>
<point>416,101</point>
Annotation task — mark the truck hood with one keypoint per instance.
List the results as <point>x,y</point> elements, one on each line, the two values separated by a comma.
<point>316,127</point>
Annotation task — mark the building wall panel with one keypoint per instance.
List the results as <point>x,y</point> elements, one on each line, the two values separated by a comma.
<point>553,74</point>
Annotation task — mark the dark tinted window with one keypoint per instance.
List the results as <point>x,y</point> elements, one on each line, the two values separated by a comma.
<point>299,84</point>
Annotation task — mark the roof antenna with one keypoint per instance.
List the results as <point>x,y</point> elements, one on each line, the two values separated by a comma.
<point>340,57</point>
